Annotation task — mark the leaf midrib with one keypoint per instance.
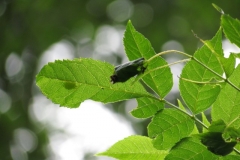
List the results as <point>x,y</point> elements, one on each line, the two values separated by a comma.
<point>102,87</point>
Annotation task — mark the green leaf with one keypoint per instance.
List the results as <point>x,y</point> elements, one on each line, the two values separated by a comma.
<point>168,127</point>
<point>191,149</point>
<point>69,83</point>
<point>137,46</point>
<point>205,121</point>
<point>147,107</point>
<point>217,126</point>
<point>230,157</point>
<point>228,64</point>
<point>181,105</point>
<point>134,147</point>
<point>195,129</point>
<point>199,97</point>
<point>231,29</point>
<point>236,55</point>
<point>231,134</point>
<point>227,105</point>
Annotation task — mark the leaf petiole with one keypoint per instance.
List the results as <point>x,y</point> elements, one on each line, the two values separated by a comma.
<point>192,57</point>
<point>149,71</point>
<point>198,82</point>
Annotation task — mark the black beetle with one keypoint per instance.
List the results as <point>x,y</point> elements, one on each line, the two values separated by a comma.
<point>125,71</point>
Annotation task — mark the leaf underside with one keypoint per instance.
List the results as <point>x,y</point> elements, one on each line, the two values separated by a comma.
<point>199,97</point>
<point>231,29</point>
<point>227,105</point>
<point>147,107</point>
<point>69,83</point>
<point>134,147</point>
<point>190,148</point>
<point>168,127</point>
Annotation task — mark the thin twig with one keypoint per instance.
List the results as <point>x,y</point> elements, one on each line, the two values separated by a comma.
<point>198,82</point>
<point>190,115</point>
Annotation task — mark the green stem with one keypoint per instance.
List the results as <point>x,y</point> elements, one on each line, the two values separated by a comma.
<point>220,76</point>
<point>235,119</point>
<point>167,65</point>
<point>166,52</point>
<point>197,82</point>
<point>176,107</point>
<point>196,60</point>
<point>237,151</point>
<point>190,115</point>
<point>226,80</point>
<point>231,84</point>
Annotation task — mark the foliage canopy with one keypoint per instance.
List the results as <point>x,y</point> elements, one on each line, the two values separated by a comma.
<point>172,131</point>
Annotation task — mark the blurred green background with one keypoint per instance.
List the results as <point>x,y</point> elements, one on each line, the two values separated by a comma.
<point>29,28</point>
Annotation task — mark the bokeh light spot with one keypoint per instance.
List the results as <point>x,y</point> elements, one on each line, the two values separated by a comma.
<point>107,41</point>
<point>18,153</point>
<point>26,139</point>
<point>5,102</point>
<point>60,50</point>
<point>13,65</point>
<point>120,10</point>
<point>3,6</point>
<point>172,45</point>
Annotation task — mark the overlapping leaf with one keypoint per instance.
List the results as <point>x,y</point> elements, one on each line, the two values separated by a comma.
<point>147,107</point>
<point>168,127</point>
<point>199,97</point>
<point>229,157</point>
<point>231,28</point>
<point>190,148</point>
<point>69,83</point>
<point>216,144</point>
<point>136,46</point>
<point>195,129</point>
<point>134,148</point>
<point>228,64</point>
<point>227,105</point>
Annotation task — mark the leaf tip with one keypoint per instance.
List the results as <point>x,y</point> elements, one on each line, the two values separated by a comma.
<point>218,8</point>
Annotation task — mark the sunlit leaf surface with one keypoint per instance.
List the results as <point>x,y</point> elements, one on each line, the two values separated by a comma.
<point>199,97</point>
<point>69,83</point>
<point>134,148</point>
<point>168,127</point>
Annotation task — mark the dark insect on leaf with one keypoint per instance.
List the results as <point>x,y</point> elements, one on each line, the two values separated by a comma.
<point>216,144</point>
<point>125,71</point>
